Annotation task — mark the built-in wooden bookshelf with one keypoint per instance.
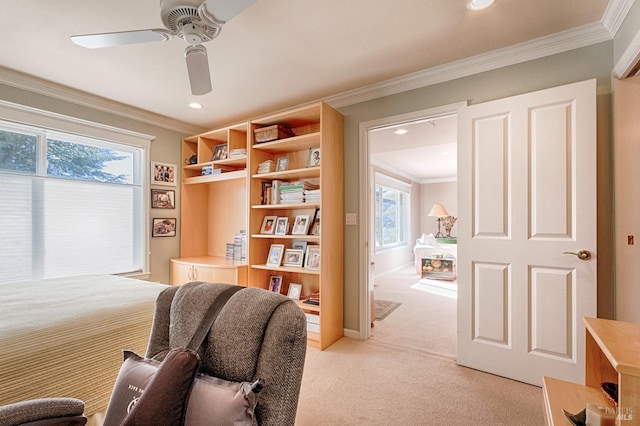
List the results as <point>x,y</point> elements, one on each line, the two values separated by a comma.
<point>214,206</point>
<point>612,355</point>
<point>315,126</point>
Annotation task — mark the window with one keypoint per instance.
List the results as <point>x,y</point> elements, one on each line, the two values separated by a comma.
<point>392,215</point>
<point>70,205</point>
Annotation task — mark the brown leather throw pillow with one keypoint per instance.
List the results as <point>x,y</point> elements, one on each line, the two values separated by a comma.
<point>164,401</point>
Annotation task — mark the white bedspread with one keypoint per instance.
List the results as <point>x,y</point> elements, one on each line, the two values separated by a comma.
<point>65,336</point>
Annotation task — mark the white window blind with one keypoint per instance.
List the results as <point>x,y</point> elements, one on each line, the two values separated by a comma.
<point>71,204</point>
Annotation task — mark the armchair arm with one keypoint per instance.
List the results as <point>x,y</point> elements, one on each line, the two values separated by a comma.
<point>45,411</point>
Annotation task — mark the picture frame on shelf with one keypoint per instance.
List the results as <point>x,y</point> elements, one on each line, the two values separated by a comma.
<point>164,173</point>
<point>164,227</point>
<point>282,163</point>
<point>312,258</point>
<point>295,291</point>
<point>293,257</point>
<point>300,245</point>
<point>275,282</point>
<point>274,258</point>
<point>163,199</point>
<point>268,225</point>
<point>219,152</point>
<point>314,157</point>
<point>314,229</point>
<point>301,224</point>
<point>282,225</point>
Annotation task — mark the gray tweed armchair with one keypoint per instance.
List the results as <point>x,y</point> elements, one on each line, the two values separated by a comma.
<point>257,335</point>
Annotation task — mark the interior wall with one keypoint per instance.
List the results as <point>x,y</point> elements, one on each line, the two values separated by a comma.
<point>594,61</point>
<point>165,148</point>
<point>445,193</point>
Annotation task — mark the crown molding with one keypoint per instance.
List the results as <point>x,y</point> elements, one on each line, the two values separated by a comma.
<point>615,15</point>
<point>64,93</point>
<point>545,46</point>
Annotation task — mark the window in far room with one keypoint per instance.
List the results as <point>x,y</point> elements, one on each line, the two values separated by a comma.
<point>70,204</point>
<point>392,215</point>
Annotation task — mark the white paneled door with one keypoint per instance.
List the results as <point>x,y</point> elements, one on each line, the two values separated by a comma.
<point>527,233</point>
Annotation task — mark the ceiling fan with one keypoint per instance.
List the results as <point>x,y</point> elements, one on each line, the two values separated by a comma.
<point>190,20</point>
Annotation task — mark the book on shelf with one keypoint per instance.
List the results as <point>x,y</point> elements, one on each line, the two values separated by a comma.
<point>229,251</point>
<point>314,299</point>
<point>267,166</point>
<point>237,152</point>
<point>239,247</point>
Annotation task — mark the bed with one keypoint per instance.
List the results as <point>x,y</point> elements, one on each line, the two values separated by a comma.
<point>65,336</point>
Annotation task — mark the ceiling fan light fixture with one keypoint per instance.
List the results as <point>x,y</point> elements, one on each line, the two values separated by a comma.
<point>198,69</point>
<point>480,4</point>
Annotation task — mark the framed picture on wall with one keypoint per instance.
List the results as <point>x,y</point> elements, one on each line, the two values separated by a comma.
<point>164,227</point>
<point>163,174</point>
<point>163,199</point>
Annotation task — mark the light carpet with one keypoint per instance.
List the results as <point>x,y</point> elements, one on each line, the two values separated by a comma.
<point>439,287</point>
<point>406,373</point>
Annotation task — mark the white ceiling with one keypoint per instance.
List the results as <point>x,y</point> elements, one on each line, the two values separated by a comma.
<point>273,55</point>
<point>426,153</point>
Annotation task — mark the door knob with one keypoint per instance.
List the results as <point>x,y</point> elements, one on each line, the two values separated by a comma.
<point>582,254</point>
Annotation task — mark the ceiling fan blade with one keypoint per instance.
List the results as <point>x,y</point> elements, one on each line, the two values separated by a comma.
<point>198,68</point>
<point>225,10</point>
<point>93,41</point>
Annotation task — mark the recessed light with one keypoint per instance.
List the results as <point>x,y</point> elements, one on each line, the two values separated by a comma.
<point>479,4</point>
<point>195,105</point>
<point>401,132</point>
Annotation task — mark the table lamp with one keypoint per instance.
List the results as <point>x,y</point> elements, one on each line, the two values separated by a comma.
<point>438,211</point>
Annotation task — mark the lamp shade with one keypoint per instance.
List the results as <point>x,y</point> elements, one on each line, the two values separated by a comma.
<point>438,210</point>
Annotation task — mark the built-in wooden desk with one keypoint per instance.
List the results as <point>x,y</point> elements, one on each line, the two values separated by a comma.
<point>612,355</point>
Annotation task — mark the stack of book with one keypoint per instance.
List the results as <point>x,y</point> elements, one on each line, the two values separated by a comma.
<point>268,166</point>
<point>314,299</point>
<point>238,152</point>
<point>291,193</point>
<point>229,252</point>
<point>240,246</point>
<point>312,195</point>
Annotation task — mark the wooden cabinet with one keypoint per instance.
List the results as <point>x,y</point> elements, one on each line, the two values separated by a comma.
<point>214,206</point>
<point>209,269</point>
<point>612,355</point>
<point>315,127</point>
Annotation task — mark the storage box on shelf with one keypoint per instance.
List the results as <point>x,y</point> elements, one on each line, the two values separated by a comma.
<point>214,206</point>
<point>612,355</point>
<point>315,127</point>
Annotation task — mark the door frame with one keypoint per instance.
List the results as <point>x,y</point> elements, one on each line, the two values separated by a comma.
<point>365,229</point>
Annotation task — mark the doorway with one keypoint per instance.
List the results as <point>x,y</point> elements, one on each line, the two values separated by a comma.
<point>417,157</point>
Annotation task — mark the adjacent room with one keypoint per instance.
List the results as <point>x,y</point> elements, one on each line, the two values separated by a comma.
<point>346,212</point>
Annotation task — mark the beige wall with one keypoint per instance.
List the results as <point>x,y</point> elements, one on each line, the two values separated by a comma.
<point>445,193</point>
<point>576,65</point>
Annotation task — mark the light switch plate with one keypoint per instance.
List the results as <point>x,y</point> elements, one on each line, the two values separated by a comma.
<point>351,219</point>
